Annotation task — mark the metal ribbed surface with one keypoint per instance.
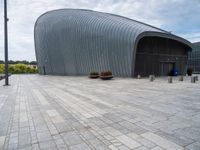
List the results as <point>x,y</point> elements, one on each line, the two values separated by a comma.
<point>194,57</point>
<point>76,42</point>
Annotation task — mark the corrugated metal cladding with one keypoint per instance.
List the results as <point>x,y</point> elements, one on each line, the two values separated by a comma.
<point>194,57</point>
<point>76,42</point>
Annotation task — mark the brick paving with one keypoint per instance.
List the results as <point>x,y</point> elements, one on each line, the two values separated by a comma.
<point>78,113</point>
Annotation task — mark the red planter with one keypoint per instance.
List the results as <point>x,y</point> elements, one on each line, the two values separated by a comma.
<point>106,77</point>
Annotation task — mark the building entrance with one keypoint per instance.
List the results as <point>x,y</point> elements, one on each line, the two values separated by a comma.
<point>159,56</point>
<point>166,68</point>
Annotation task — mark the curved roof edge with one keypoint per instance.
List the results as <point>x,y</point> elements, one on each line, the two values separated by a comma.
<point>165,35</point>
<point>102,13</point>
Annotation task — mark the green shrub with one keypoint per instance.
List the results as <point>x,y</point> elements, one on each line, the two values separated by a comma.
<point>19,69</point>
<point>1,68</point>
<point>11,69</point>
<point>94,73</point>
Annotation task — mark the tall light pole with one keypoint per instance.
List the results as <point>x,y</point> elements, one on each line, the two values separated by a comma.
<point>6,42</point>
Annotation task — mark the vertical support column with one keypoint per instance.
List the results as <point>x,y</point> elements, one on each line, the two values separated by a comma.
<point>6,42</point>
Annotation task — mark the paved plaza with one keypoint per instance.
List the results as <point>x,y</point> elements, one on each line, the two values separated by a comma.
<point>78,113</point>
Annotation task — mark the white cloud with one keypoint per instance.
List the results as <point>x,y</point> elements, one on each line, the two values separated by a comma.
<point>179,16</point>
<point>194,37</point>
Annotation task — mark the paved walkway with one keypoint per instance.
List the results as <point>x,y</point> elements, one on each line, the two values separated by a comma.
<point>77,113</point>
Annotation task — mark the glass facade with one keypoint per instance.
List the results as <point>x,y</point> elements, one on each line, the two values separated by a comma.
<point>194,58</point>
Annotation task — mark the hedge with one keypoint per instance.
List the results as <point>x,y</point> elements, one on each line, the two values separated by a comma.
<point>19,69</point>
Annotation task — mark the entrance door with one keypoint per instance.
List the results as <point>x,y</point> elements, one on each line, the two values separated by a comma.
<point>166,68</point>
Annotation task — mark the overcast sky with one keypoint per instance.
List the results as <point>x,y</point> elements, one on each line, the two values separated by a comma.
<point>182,17</point>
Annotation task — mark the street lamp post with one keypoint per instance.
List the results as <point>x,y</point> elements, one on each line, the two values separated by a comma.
<point>6,42</point>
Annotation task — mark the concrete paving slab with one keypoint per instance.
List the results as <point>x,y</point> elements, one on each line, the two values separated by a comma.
<point>66,112</point>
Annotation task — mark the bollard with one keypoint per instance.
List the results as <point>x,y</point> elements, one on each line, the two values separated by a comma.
<point>151,78</point>
<point>196,78</point>
<point>169,79</point>
<point>139,76</point>
<point>180,78</point>
<point>193,79</point>
<point>154,77</point>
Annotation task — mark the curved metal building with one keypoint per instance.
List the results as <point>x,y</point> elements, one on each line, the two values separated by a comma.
<point>76,42</point>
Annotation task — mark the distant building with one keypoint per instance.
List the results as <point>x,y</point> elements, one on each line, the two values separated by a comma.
<point>76,42</point>
<point>194,57</point>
